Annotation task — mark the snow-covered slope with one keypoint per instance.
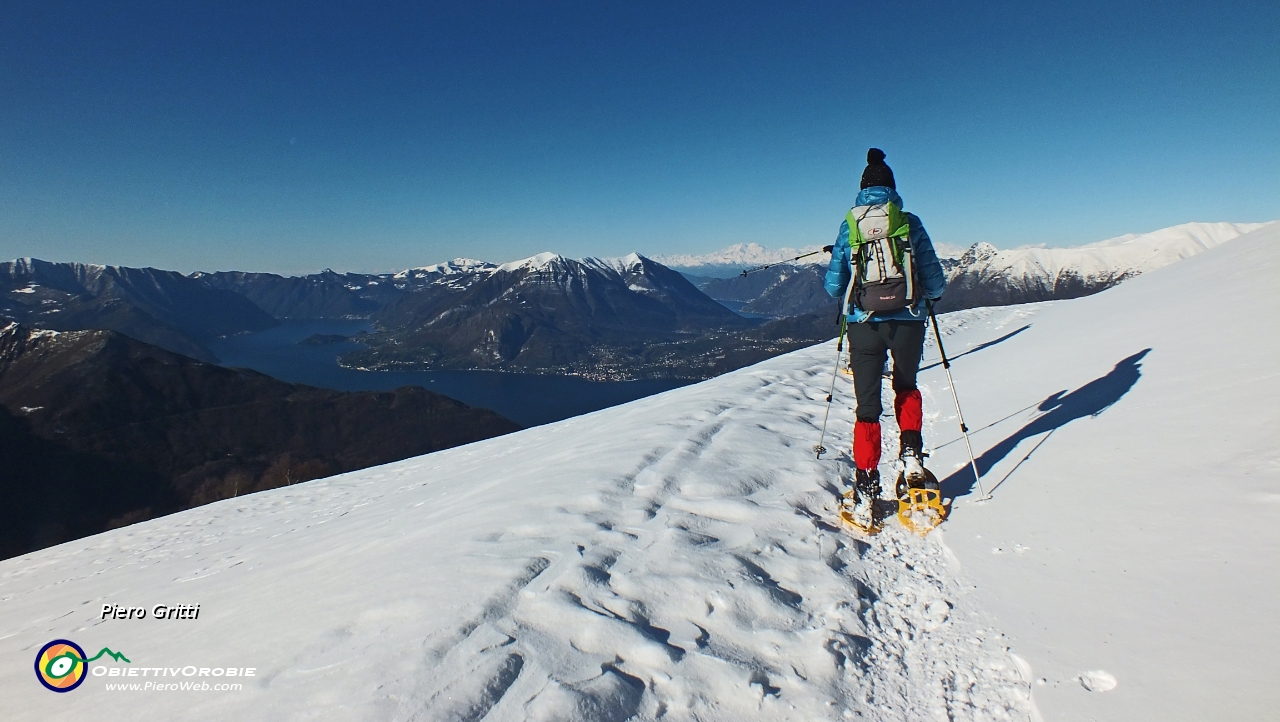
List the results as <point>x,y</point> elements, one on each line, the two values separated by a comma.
<point>677,557</point>
<point>1135,528</point>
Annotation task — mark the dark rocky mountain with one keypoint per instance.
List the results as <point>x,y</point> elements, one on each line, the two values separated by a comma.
<point>320,295</point>
<point>163,308</point>
<point>99,430</point>
<point>777,292</point>
<point>545,314</point>
<point>329,294</point>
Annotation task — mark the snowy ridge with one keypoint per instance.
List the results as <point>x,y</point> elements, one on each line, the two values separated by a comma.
<point>28,265</point>
<point>1181,238</point>
<point>1119,257</point>
<point>631,263</point>
<point>739,254</point>
<point>540,261</point>
<point>448,268</point>
<point>987,276</point>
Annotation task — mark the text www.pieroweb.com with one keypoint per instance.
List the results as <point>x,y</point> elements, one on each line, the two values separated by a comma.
<point>180,685</point>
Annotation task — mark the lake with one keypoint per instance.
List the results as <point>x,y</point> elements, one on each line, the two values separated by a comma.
<point>527,399</point>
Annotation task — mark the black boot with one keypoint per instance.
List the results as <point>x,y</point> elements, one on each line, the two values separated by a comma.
<point>910,442</point>
<point>911,456</point>
<point>867,484</point>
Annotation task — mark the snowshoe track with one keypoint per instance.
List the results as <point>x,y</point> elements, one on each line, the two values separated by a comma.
<point>710,587</point>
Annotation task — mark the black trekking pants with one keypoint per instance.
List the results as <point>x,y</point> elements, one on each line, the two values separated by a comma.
<point>868,343</point>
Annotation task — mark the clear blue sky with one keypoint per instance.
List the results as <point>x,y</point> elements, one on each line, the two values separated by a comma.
<point>375,136</point>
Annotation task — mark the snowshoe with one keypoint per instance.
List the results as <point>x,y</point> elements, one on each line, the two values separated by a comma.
<point>861,506</point>
<point>920,507</point>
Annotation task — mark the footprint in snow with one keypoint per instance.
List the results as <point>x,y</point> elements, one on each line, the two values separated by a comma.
<point>1098,681</point>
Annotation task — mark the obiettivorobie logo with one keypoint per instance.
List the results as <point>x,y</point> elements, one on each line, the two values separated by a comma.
<point>61,665</point>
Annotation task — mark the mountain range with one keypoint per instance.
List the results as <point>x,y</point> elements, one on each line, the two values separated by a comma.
<point>732,260</point>
<point>163,308</point>
<point>601,318</point>
<point>986,276</point>
<point>547,313</point>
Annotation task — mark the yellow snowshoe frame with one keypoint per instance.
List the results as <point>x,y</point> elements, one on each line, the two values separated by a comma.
<point>922,510</point>
<point>847,517</point>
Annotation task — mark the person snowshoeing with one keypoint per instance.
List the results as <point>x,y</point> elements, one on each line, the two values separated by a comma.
<point>886,271</point>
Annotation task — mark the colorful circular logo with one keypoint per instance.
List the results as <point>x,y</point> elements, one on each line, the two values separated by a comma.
<point>61,665</point>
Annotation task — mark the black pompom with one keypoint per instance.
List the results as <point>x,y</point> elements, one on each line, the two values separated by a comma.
<point>874,156</point>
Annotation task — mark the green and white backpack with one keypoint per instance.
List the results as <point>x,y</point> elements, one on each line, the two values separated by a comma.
<point>884,274</point>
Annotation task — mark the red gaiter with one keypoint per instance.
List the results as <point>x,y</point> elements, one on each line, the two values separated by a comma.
<point>866,443</point>
<point>906,405</point>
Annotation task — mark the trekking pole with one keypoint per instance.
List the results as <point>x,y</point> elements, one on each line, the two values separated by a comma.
<point>819,450</point>
<point>960,414</point>
<point>824,249</point>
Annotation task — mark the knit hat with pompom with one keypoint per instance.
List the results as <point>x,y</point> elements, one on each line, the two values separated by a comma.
<point>877,173</point>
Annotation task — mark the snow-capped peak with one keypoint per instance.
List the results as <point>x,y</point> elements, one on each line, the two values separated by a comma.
<point>978,252</point>
<point>739,254</point>
<point>542,260</point>
<point>630,263</point>
<point>457,265</point>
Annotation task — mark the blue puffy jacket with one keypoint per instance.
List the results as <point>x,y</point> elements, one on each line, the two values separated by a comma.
<point>929,273</point>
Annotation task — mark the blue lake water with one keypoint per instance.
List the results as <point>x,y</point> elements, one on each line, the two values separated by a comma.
<point>527,399</point>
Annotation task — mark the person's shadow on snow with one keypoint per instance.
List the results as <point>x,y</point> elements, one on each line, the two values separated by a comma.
<point>1056,411</point>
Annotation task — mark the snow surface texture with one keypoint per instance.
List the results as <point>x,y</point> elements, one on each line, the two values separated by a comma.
<point>679,558</point>
<point>1131,547</point>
